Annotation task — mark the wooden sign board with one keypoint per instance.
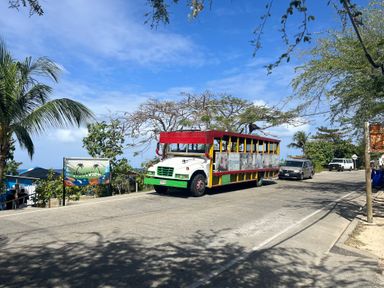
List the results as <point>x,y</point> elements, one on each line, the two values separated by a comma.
<point>376,138</point>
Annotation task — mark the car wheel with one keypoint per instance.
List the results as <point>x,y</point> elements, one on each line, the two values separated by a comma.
<point>197,186</point>
<point>311,175</point>
<point>301,176</point>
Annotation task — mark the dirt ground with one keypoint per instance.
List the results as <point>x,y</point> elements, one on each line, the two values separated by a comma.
<point>370,236</point>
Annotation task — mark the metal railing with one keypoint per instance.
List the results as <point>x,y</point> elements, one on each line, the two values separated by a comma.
<point>16,203</point>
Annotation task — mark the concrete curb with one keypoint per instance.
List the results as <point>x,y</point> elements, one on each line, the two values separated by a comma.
<point>340,248</point>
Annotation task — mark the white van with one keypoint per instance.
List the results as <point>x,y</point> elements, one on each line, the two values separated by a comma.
<point>341,164</point>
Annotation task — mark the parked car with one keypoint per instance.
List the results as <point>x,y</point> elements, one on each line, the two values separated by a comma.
<point>296,169</point>
<point>340,164</point>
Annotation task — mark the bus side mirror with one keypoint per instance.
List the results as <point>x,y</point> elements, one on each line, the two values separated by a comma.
<point>158,149</point>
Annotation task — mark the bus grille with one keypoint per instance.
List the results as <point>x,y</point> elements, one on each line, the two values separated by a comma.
<point>165,171</point>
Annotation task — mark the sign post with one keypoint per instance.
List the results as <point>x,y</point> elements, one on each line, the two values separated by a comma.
<point>63,182</point>
<point>354,158</point>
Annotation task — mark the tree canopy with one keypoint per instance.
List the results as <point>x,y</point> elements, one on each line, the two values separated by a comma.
<point>25,105</point>
<point>337,72</point>
<point>300,139</point>
<point>205,111</point>
<point>291,35</point>
<point>34,6</point>
<point>105,140</point>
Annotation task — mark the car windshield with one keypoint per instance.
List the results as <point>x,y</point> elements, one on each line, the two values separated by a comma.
<point>293,163</point>
<point>337,160</point>
<point>187,148</point>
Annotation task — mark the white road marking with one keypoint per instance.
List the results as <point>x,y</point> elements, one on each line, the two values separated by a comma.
<point>245,255</point>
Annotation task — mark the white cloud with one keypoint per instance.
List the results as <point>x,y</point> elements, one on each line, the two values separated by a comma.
<point>104,102</point>
<point>110,29</point>
<point>287,130</point>
<point>242,85</point>
<point>67,135</point>
<point>259,102</point>
<point>254,84</point>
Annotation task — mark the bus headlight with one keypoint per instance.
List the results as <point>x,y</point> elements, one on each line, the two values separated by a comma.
<point>182,176</point>
<point>150,173</point>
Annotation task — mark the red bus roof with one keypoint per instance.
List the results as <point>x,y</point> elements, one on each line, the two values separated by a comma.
<point>205,137</point>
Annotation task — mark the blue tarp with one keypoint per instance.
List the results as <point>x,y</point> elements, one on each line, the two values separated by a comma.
<point>377,177</point>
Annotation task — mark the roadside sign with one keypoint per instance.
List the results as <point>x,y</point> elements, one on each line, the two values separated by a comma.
<point>376,137</point>
<point>354,157</point>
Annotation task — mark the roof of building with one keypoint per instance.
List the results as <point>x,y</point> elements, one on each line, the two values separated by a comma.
<point>39,172</point>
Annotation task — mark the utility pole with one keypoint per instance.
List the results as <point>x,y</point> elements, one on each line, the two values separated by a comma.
<point>367,160</point>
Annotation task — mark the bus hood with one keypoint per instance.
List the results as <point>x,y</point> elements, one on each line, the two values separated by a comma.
<point>183,165</point>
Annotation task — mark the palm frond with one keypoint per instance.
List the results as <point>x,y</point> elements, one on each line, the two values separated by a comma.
<point>34,97</point>
<point>24,101</point>
<point>43,67</point>
<point>58,113</point>
<point>24,139</point>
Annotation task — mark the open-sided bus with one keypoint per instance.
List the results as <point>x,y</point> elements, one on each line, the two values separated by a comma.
<point>195,160</point>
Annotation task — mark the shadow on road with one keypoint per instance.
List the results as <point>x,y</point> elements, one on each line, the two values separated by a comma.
<point>125,262</point>
<point>184,193</point>
<point>285,267</point>
<point>347,207</point>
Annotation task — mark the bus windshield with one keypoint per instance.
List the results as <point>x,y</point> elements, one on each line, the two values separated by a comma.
<point>187,148</point>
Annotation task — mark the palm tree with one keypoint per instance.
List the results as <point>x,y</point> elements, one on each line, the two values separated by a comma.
<point>25,107</point>
<point>300,138</point>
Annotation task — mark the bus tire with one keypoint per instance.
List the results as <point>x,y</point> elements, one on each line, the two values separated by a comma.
<point>260,179</point>
<point>160,189</point>
<point>197,186</point>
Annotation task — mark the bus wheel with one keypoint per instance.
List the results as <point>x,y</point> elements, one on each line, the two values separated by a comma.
<point>198,185</point>
<point>161,189</point>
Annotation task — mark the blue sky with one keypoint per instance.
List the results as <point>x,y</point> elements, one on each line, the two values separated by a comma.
<point>112,61</point>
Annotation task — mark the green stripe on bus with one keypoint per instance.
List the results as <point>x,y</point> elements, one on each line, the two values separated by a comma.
<point>226,179</point>
<point>166,182</point>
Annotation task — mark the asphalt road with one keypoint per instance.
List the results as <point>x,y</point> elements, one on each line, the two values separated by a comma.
<point>278,235</point>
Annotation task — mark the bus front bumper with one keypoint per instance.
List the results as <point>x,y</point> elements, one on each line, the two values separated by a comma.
<point>166,182</point>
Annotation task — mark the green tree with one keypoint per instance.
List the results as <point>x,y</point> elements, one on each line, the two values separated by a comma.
<point>337,72</point>
<point>25,108</point>
<point>344,149</point>
<point>320,152</point>
<point>330,135</point>
<point>300,139</point>
<point>105,140</point>
<point>52,187</point>
<point>11,165</point>
<point>122,179</point>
